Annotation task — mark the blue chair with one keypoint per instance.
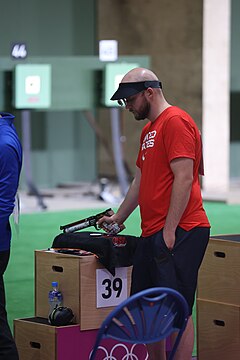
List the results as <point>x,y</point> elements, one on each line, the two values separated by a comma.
<point>146,317</point>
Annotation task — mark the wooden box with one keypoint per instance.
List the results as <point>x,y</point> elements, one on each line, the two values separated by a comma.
<point>76,276</point>
<point>36,340</point>
<point>219,274</point>
<point>218,331</point>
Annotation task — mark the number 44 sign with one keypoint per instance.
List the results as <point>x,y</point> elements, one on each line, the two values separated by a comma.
<point>111,290</point>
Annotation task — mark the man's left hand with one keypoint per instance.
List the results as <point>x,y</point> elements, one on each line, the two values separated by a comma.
<point>169,238</point>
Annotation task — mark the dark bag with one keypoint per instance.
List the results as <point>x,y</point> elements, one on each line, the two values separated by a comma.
<point>112,250</point>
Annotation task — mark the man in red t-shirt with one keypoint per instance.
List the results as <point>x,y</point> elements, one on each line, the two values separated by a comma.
<point>175,228</point>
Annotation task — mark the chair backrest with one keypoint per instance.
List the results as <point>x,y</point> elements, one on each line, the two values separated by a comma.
<point>146,317</point>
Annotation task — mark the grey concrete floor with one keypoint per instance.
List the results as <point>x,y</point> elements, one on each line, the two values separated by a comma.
<point>81,196</point>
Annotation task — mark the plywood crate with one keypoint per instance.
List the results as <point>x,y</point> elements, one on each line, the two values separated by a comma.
<point>218,331</point>
<point>219,274</point>
<point>36,340</point>
<point>76,276</point>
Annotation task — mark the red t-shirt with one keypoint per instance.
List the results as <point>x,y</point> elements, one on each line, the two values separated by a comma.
<point>172,135</point>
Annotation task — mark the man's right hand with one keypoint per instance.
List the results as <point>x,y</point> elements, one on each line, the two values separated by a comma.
<point>110,225</point>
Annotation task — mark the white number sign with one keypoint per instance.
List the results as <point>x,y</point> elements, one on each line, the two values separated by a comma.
<point>111,290</point>
<point>108,50</point>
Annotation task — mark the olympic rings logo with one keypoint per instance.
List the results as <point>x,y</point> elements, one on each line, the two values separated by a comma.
<point>129,355</point>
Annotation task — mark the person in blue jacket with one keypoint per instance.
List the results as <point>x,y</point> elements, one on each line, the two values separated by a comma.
<point>10,168</point>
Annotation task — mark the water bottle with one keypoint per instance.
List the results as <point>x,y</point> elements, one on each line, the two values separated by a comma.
<point>55,297</point>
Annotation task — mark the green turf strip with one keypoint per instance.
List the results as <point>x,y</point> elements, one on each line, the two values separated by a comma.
<point>37,231</point>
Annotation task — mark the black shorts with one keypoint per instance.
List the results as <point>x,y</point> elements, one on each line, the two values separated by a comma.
<point>155,265</point>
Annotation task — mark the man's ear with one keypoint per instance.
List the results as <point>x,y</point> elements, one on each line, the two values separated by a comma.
<point>149,92</point>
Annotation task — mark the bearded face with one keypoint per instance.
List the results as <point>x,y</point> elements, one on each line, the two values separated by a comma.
<point>138,105</point>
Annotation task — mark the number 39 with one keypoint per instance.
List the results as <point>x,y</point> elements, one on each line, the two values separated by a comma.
<point>110,286</point>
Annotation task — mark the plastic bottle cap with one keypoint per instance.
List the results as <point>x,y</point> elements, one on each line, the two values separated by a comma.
<point>54,283</point>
